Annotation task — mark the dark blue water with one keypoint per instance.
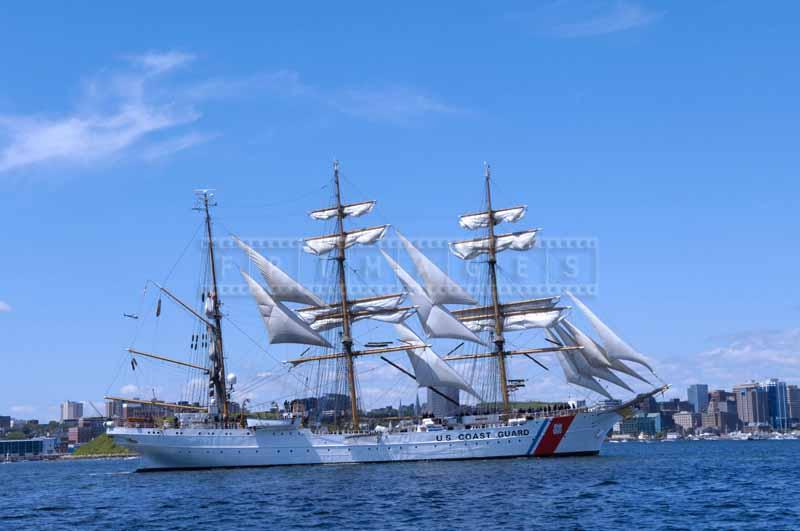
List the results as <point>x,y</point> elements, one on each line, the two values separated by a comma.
<point>681,485</point>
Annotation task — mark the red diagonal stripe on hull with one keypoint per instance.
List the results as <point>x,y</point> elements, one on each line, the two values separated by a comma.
<point>555,431</point>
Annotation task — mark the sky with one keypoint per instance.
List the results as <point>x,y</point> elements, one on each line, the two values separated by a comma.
<point>664,134</point>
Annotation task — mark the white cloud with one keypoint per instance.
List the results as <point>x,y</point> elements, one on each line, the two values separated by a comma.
<point>115,112</point>
<point>390,104</point>
<point>396,104</point>
<point>128,106</point>
<point>22,409</point>
<point>158,62</point>
<point>573,18</point>
<point>129,390</point>
<point>755,355</point>
<point>171,146</point>
<point>4,307</point>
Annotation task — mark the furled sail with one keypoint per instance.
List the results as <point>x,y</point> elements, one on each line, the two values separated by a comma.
<point>481,219</point>
<point>353,210</point>
<point>282,324</point>
<point>325,244</point>
<point>516,241</point>
<point>368,305</point>
<point>517,306</point>
<point>517,321</point>
<point>429,368</point>
<point>435,319</point>
<point>613,344</point>
<point>440,288</point>
<point>282,286</point>
<point>389,316</point>
<point>584,364</point>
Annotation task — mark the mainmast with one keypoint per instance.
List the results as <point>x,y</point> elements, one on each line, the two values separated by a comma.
<point>217,374</point>
<point>347,339</point>
<point>499,341</point>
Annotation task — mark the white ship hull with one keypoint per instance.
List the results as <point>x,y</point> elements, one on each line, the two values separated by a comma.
<point>165,449</point>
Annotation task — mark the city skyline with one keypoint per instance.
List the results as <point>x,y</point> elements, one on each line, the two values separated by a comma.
<point>691,197</point>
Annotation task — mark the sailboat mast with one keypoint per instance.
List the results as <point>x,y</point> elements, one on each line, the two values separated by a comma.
<point>347,339</point>
<point>218,373</point>
<point>499,340</point>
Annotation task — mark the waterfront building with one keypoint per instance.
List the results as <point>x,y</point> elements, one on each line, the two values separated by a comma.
<point>687,420</point>
<point>777,404</point>
<point>639,423</point>
<point>87,429</point>
<point>28,447</point>
<point>662,421</point>
<point>71,410</point>
<point>751,404</point>
<point>794,403</point>
<point>719,421</point>
<point>697,395</point>
<point>5,423</point>
<point>724,401</point>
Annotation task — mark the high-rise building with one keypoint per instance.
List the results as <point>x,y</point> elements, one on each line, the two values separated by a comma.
<point>721,415</point>
<point>777,403</point>
<point>719,421</point>
<point>794,403</point>
<point>71,410</point>
<point>687,420</point>
<point>698,397</point>
<point>751,404</point>
<point>5,423</point>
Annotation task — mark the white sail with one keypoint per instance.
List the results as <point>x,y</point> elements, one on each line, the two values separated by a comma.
<point>517,241</point>
<point>589,348</point>
<point>571,373</point>
<point>481,219</point>
<point>613,344</point>
<point>585,365</point>
<point>282,286</point>
<point>352,210</point>
<point>325,244</point>
<point>430,369</point>
<point>517,322</point>
<point>619,366</point>
<point>440,288</point>
<point>436,320</point>
<point>282,324</point>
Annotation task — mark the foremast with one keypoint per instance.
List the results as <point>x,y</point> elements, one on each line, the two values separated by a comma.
<point>217,373</point>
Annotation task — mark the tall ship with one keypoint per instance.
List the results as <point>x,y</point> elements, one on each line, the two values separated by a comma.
<point>475,417</point>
